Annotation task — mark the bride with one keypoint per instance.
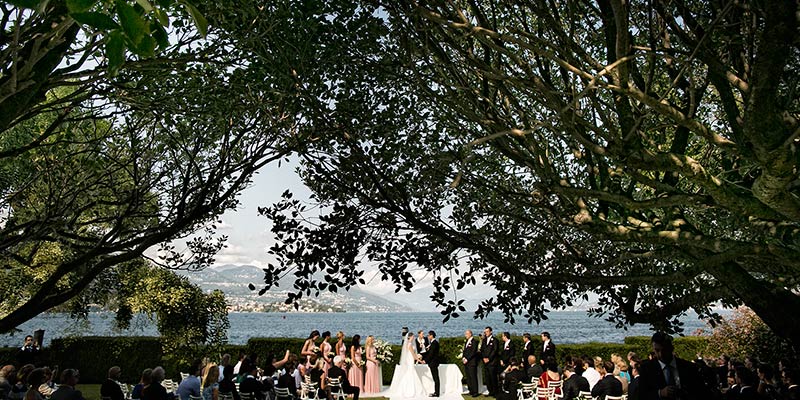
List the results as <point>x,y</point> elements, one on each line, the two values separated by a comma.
<point>406,383</point>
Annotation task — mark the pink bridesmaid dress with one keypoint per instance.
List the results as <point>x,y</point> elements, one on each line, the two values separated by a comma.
<point>372,379</point>
<point>355,374</point>
<point>326,348</point>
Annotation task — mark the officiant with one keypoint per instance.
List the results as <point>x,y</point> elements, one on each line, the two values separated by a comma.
<point>422,343</point>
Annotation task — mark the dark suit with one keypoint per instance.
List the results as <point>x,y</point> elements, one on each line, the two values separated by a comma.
<point>154,391</point>
<point>431,358</point>
<point>608,386</point>
<point>489,353</point>
<point>336,372</point>
<point>549,351</point>
<point>535,371</point>
<point>112,390</point>
<point>507,353</point>
<point>527,350</point>
<point>513,378</point>
<point>633,388</point>
<point>65,392</point>
<point>651,380</point>
<point>254,386</point>
<point>470,353</point>
<point>573,386</point>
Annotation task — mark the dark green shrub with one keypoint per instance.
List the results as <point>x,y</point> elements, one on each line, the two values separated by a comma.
<point>93,356</point>
<point>686,347</point>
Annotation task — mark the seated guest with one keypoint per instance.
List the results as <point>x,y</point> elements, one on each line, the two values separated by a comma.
<point>48,387</point>
<point>227,386</point>
<point>608,385</point>
<point>287,380</point>
<point>336,371</point>
<point>748,384</point>
<point>514,375</point>
<point>7,380</point>
<point>144,381</point>
<point>251,384</point>
<point>19,389</point>
<point>35,379</point>
<point>791,378</point>
<point>190,386</point>
<point>590,373</point>
<point>155,391</point>
<point>317,376</point>
<point>209,387</point>
<point>66,390</point>
<point>633,387</point>
<point>573,384</point>
<point>535,369</point>
<point>550,373</point>
<point>110,387</point>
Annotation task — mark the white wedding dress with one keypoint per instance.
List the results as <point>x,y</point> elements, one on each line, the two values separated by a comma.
<point>406,384</point>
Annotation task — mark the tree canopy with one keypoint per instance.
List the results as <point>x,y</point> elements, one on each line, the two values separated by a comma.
<point>646,152</point>
<point>125,125</point>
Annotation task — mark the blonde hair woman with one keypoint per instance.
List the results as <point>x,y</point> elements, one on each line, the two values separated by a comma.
<point>341,348</point>
<point>372,378</point>
<point>209,387</point>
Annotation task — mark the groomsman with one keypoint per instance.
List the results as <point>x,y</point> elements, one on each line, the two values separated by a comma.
<point>548,348</point>
<point>489,350</point>
<point>527,347</point>
<point>508,350</point>
<point>470,360</point>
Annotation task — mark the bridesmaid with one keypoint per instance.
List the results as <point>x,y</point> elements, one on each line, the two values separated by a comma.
<point>341,348</point>
<point>355,374</point>
<point>308,348</point>
<point>372,379</point>
<point>326,348</point>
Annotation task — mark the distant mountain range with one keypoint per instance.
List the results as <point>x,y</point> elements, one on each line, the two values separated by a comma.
<point>234,281</point>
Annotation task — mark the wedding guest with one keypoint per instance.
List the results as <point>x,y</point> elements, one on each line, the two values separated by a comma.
<point>548,348</point>
<point>633,387</point>
<point>355,374</point>
<point>326,349</point>
<point>35,379</point>
<point>507,353</point>
<point>372,378</point>
<point>747,382</point>
<point>190,386</point>
<point>469,357</point>
<point>341,347</point>
<point>223,362</point>
<point>144,381</point>
<point>47,387</point>
<point>337,372</point>
<point>287,380</point>
<point>766,383</point>
<point>66,390</point>
<point>608,385</point>
<point>155,391</point>
<point>309,347</point>
<point>251,384</point>
<point>550,374</point>
<point>791,378</point>
<point>317,375</point>
<point>590,373</point>
<point>110,388</point>
<point>238,366</point>
<point>227,385</point>
<point>210,384</point>
<point>21,385</point>
<point>534,368</point>
<point>28,352</point>
<point>667,376</point>
<point>7,380</point>
<point>489,355</point>
<point>514,375</point>
<point>573,384</point>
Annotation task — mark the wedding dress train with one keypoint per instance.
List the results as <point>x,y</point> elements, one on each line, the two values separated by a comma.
<point>406,384</point>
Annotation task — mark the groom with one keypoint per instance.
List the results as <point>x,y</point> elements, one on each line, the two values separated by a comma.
<point>431,358</point>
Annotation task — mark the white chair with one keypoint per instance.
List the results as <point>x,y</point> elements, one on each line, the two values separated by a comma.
<point>247,396</point>
<point>283,393</point>
<point>226,396</point>
<point>544,393</point>
<point>184,375</point>
<point>556,386</point>
<point>191,397</point>
<point>526,392</point>
<point>615,397</point>
<point>308,391</point>
<point>585,395</point>
<point>335,386</point>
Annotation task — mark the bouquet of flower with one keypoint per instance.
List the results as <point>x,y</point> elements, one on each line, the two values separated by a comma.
<point>316,350</point>
<point>331,355</point>
<point>348,362</point>
<point>384,351</point>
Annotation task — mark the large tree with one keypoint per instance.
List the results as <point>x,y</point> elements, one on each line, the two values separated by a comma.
<point>645,151</point>
<point>114,140</point>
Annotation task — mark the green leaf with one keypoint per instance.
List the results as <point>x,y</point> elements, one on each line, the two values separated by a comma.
<point>146,47</point>
<point>199,20</point>
<point>163,18</point>
<point>95,20</point>
<point>78,6</point>
<point>145,5</point>
<point>133,24</point>
<point>115,51</point>
<point>24,3</point>
<point>160,35</point>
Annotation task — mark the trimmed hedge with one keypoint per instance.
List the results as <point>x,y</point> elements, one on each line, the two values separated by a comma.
<point>94,355</point>
<point>686,347</point>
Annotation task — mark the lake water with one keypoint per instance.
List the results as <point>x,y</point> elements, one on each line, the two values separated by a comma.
<point>564,326</point>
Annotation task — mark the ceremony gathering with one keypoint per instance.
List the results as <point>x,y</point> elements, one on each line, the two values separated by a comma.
<point>399,199</point>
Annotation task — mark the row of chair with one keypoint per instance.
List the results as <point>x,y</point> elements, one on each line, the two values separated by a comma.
<point>308,391</point>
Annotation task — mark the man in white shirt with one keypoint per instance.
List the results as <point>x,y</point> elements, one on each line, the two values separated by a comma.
<point>590,374</point>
